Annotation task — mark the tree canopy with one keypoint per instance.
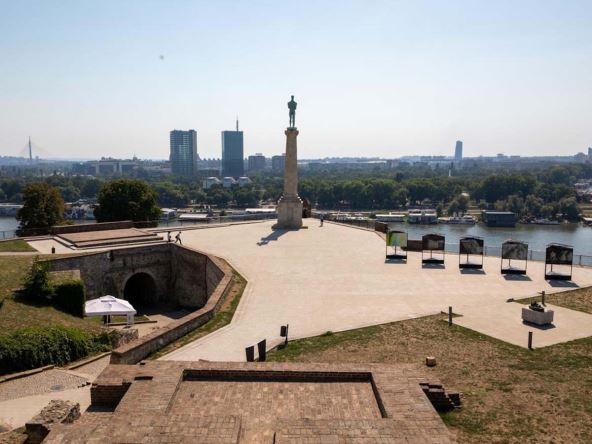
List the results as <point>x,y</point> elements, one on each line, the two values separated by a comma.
<point>127,199</point>
<point>43,206</point>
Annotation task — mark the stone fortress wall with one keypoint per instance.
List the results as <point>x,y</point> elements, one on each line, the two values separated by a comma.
<point>182,276</point>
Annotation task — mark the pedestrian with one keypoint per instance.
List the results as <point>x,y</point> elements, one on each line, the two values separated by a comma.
<point>178,238</point>
<point>322,217</point>
<point>168,236</point>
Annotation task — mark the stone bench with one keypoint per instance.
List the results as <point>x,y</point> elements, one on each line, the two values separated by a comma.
<point>537,317</point>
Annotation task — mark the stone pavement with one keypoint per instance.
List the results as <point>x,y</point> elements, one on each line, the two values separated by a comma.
<point>504,322</point>
<point>336,278</point>
<point>21,399</point>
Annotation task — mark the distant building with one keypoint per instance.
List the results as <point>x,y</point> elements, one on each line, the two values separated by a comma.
<point>590,153</point>
<point>106,167</point>
<point>184,152</point>
<point>244,181</point>
<point>278,162</point>
<point>210,182</point>
<point>458,151</point>
<point>232,153</point>
<point>228,182</point>
<point>498,218</point>
<point>256,162</point>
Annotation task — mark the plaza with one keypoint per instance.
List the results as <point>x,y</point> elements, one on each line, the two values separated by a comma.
<point>335,278</point>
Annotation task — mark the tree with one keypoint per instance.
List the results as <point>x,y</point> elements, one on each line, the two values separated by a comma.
<point>569,208</point>
<point>127,199</point>
<point>43,206</point>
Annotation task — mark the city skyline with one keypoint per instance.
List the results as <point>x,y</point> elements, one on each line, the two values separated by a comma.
<point>383,79</point>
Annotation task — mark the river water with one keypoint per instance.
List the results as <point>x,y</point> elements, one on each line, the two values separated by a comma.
<point>537,236</point>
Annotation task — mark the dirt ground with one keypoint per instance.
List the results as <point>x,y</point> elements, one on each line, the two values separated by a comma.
<point>510,394</point>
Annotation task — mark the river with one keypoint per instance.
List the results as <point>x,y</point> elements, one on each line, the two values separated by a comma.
<point>537,236</point>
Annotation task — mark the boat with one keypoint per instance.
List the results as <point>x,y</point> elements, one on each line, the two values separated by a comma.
<point>427,216</point>
<point>458,220</point>
<point>545,221</point>
<point>390,217</point>
<point>167,214</point>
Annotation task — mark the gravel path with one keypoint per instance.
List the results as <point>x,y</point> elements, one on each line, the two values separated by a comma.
<point>45,382</point>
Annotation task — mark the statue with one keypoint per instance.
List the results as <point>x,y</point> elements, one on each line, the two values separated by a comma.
<point>292,107</point>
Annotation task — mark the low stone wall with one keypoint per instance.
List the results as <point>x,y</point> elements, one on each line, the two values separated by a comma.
<point>82,228</point>
<point>135,351</point>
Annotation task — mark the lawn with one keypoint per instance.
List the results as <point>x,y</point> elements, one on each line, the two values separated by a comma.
<point>220,319</point>
<point>511,395</point>
<point>16,314</point>
<point>16,245</point>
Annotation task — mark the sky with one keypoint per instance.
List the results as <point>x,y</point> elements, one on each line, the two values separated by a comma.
<point>87,79</point>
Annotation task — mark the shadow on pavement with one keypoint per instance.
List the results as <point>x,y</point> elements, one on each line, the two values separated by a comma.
<point>273,236</point>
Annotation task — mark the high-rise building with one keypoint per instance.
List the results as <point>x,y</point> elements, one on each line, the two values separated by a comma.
<point>232,153</point>
<point>183,155</point>
<point>256,162</point>
<point>590,152</point>
<point>278,163</point>
<point>458,154</point>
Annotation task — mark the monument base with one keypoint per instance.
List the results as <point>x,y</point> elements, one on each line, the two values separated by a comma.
<point>289,211</point>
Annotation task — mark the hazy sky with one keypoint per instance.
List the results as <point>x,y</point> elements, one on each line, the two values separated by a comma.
<point>372,78</point>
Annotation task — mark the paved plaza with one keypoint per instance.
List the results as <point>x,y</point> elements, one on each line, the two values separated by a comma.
<point>335,278</point>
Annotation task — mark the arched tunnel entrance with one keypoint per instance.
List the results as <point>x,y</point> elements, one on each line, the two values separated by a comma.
<point>140,291</point>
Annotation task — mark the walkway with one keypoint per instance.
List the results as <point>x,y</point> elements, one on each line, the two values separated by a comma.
<point>335,278</point>
<point>21,399</point>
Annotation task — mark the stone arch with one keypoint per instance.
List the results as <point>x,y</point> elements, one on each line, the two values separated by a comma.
<point>140,290</point>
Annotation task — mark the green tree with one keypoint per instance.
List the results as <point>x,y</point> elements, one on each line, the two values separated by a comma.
<point>569,208</point>
<point>43,206</point>
<point>127,199</point>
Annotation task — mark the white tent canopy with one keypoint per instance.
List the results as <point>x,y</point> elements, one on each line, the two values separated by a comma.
<point>110,306</point>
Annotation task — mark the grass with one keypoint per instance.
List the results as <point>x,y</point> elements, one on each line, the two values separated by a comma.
<point>16,314</point>
<point>510,394</point>
<point>220,319</point>
<point>16,245</point>
<point>579,299</point>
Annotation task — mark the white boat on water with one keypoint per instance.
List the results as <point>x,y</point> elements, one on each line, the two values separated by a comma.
<point>458,220</point>
<point>390,217</point>
<point>422,217</point>
<point>545,222</point>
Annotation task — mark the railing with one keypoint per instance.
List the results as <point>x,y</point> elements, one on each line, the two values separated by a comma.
<point>8,234</point>
<point>488,250</point>
<point>215,220</point>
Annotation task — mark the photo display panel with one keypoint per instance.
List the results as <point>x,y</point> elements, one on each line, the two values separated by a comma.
<point>433,242</point>
<point>471,245</point>
<point>396,239</point>
<point>515,250</point>
<point>559,255</point>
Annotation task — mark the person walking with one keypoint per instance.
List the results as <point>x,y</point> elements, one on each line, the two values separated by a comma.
<point>178,238</point>
<point>168,236</point>
<point>322,218</point>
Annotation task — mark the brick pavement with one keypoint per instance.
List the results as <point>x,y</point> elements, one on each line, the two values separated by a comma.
<point>167,401</point>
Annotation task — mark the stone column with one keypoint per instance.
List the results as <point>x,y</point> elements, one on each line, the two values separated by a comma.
<point>290,205</point>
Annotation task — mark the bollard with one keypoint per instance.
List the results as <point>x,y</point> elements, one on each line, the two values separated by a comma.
<point>52,250</point>
<point>284,333</point>
<point>449,316</point>
<point>530,340</point>
<point>543,297</point>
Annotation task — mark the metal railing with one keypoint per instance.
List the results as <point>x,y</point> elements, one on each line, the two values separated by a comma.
<point>8,234</point>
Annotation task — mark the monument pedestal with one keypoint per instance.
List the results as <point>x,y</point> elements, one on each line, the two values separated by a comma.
<point>289,207</point>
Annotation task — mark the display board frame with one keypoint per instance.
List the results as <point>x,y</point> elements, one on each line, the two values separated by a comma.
<point>558,255</point>
<point>514,250</point>
<point>470,246</point>
<point>397,254</point>
<point>427,245</point>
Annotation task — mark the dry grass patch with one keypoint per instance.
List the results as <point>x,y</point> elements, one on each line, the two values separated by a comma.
<point>511,395</point>
<point>16,245</point>
<point>579,299</point>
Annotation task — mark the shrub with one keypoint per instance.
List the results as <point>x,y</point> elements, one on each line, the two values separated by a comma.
<point>37,286</point>
<point>69,296</point>
<point>32,347</point>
